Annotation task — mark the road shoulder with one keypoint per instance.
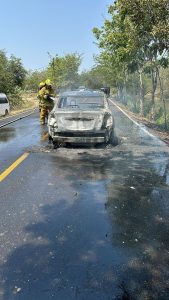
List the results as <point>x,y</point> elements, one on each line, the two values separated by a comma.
<point>152,127</point>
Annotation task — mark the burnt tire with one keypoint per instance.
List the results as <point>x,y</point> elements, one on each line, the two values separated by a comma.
<point>50,139</point>
<point>55,145</point>
<point>113,138</point>
<point>6,112</point>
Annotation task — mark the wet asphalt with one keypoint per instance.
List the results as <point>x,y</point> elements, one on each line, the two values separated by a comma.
<point>84,223</point>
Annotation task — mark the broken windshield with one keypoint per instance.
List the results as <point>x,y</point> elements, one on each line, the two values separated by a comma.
<point>73,102</point>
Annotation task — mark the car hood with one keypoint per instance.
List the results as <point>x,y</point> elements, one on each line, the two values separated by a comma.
<point>78,120</point>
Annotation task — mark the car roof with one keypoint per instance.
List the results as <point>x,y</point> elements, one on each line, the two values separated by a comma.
<point>86,93</point>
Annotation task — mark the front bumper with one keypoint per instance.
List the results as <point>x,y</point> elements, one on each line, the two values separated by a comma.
<point>79,137</point>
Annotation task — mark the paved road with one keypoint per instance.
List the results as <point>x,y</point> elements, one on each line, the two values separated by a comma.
<point>84,223</point>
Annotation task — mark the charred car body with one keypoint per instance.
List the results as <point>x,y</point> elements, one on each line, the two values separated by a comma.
<point>81,117</point>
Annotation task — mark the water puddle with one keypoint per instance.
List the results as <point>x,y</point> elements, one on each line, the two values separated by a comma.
<point>7,134</point>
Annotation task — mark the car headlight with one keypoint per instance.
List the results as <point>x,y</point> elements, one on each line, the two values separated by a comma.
<point>52,121</point>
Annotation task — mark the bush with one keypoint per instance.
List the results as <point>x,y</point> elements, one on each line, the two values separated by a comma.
<point>133,105</point>
<point>15,98</point>
<point>147,108</point>
<point>161,121</point>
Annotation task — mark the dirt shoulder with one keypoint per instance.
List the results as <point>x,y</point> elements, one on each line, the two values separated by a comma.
<point>153,128</point>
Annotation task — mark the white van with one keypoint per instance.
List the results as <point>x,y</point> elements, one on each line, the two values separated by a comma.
<point>4,105</point>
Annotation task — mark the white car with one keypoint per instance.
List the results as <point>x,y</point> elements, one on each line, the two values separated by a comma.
<point>4,105</point>
<point>81,117</point>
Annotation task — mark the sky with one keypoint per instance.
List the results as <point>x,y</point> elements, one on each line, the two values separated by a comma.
<point>30,29</point>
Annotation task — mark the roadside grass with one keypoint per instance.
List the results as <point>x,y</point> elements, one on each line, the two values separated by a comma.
<point>29,101</point>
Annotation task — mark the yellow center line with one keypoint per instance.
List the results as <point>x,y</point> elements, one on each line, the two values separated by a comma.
<point>45,136</point>
<point>13,166</point>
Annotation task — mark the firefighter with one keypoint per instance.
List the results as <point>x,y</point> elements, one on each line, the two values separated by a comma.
<point>41,85</point>
<point>46,102</point>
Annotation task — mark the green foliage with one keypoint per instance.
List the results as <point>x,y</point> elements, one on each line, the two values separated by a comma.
<point>133,104</point>
<point>15,97</point>
<point>63,70</point>
<point>5,76</point>
<point>33,79</point>
<point>12,76</point>
<point>134,40</point>
<point>161,121</point>
<point>17,71</point>
<point>96,78</point>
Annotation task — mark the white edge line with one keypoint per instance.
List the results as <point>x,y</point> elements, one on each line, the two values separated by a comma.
<point>16,115</point>
<point>18,119</point>
<point>136,123</point>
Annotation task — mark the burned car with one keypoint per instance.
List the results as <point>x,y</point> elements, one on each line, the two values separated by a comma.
<point>81,117</point>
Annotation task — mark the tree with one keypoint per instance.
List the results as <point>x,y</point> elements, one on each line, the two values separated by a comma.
<point>63,70</point>
<point>113,72</point>
<point>17,71</point>
<point>150,20</point>
<point>97,77</point>
<point>117,39</point>
<point>33,79</point>
<point>12,75</point>
<point>5,76</point>
<point>136,36</point>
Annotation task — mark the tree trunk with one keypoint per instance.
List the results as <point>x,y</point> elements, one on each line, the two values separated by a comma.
<point>162,99</point>
<point>125,87</point>
<point>141,93</point>
<point>154,86</point>
<point>120,94</point>
<point>124,93</point>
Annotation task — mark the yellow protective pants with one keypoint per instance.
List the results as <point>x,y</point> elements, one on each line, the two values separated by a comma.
<point>44,113</point>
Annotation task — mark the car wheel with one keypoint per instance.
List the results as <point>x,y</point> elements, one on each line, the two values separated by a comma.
<point>50,139</point>
<point>6,112</point>
<point>55,145</point>
<point>113,138</point>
